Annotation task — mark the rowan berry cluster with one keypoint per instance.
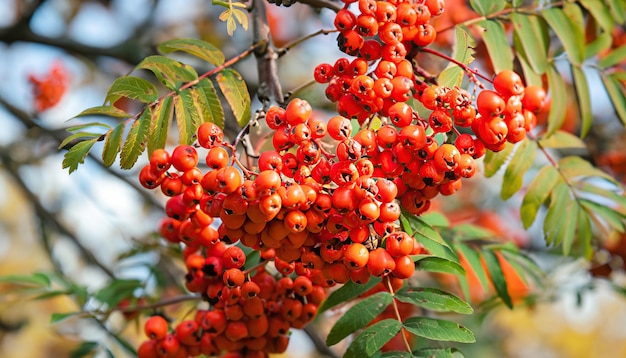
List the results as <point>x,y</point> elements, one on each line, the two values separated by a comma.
<point>322,217</point>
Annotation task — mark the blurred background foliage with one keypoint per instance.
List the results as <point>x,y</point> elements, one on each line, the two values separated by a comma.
<point>98,223</point>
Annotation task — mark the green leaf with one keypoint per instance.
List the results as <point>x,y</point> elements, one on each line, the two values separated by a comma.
<point>538,192</point>
<point>170,72</point>
<point>574,166</point>
<point>436,353</point>
<point>601,12</point>
<point>438,330</point>
<point>58,317</point>
<point>434,299</point>
<point>187,117</point>
<point>133,88</point>
<point>253,258</point>
<point>36,279</point>
<point>618,10</point>
<point>394,354</point>
<point>113,144</point>
<point>497,44</point>
<point>104,111</point>
<point>583,98</point>
<point>236,93</point>
<point>495,160</point>
<point>85,349</point>
<point>207,103</point>
<point>610,216</point>
<point>523,265</point>
<point>487,7</point>
<point>615,57</point>
<point>585,235</point>
<point>135,141</point>
<point>558,93</point>
<point>532,33</point>
<point>618,200</point>
<point>373,338</point>
<point>560,223</point>
<point>347,292</point>
<point>523,158</point>
<point>77,154</point>
<point>160,124</point>
<point>572,36</point>
<point>475,262</point>
<point>497,276</point>
<point>601,43</point>
<point>562,140</point>
<point>427,236</point>
<point>530,76</point>
<point>79,135</point>
<point>465,232</point>
<point>195,47</point>
<point>116,291</point>
<point>435,219</point>
<point>87,125</point>
<point>358,316</point>
<point>616,93</point>
<point>463,52</point>
<point>438,264</point>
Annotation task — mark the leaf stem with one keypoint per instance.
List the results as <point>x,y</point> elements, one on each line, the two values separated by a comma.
<point>397,313</point>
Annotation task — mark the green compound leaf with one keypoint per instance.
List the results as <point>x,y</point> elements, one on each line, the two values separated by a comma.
<point>497,44</point>
<point>532,34</point>
<point>187,117</point>
<point>538,192</point>
<point>195,47</point>
<point>373,338</point>
<point>160,124</point>
<point>558,107</point>
<point>601,43</point>
<point>133,88</point>
<point>171,73</point>
<point>136,139</point>
<point>613,218</point>
<point>207,103</point>
<point>358,316</point>
<point>347,292</point>
<point>522,160</point>
<point>497,276</point>
<point>439,330</point>
<point>236,93</point>
<point>77,154</point>
<point>475,262</point>
<point>571,35</point>
<point>495,160</point>
<point>434,299</point>
<point>113,144</point>
<point>487,7</point>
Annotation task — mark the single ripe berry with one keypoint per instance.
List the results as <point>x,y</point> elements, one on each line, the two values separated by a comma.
<point>155,327</point>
